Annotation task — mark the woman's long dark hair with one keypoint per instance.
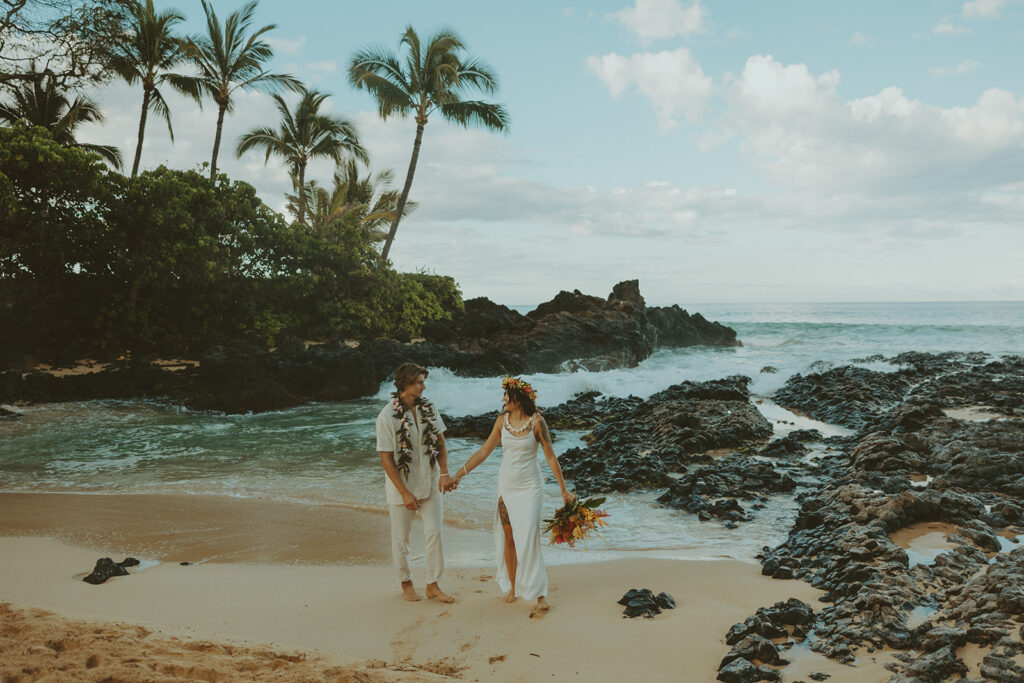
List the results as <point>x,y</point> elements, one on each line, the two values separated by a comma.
<point>519,397</point>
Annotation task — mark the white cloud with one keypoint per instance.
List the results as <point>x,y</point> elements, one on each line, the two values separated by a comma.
<point>672,80</point>
<point>983,9</point>
<point>960,69</point>
<point>657,19</point>
<point>859,39</point>
<point>327,66</point>
<point>948,28</point>
<point>479,203</point>
<point>286,45</point>
<point>794,124</point>
<point>779,91</point>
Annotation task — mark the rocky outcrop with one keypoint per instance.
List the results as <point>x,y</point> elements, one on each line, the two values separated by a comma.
<point>763,639</point>
<point>714,490</point>
<point>856,397</point>
<point>582,412</point>
<point>639,447</point>
<point>910,462</point>
<point>577,329</point>
<point>573,330</point>
<point>106,568</point>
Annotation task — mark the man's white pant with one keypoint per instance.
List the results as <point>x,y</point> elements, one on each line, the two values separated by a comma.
<point>401,524</point>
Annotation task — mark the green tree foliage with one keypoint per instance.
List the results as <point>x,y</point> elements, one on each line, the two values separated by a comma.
<point>150,53</point>
<point>369,199</point>
<point>187,253</point>
<point>229,60</point>
<point>54,201</point>
<point>408,300</point>
<point>41,102</point>
<point>60,197</point>
<point>438,78</point>
<point>172,261</point>
<point>304,134</point>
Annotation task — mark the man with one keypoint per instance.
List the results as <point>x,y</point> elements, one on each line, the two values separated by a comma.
<point>410,440</point>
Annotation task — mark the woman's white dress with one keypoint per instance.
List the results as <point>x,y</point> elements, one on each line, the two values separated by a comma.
<point>522,488</point>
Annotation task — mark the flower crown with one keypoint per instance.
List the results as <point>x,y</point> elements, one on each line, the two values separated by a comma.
<point>519,385</point>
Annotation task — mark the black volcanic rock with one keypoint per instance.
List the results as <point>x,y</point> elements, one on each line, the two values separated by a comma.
<point>713,490</point>
<point>571,331</point>
<point>576,330</point>
<point>639,446</point>
<point>105,568</point>
<point>849,396</point>
<point>676,327</point>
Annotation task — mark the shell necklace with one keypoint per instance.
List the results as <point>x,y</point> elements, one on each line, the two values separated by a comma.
<point>520,430</point>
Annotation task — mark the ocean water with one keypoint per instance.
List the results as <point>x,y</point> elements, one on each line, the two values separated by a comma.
<point>324,453</point>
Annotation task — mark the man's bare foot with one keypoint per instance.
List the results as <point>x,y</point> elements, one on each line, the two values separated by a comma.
<point>509,597</point>
<point>434,592</point>
<point>409,593</point>
<point>540,609</point>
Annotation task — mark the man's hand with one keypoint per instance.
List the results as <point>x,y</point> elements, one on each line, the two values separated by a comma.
<point>447,484</point>
<point>409,501</point>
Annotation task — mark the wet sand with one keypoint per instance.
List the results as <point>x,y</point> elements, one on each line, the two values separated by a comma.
<point>924,541</point>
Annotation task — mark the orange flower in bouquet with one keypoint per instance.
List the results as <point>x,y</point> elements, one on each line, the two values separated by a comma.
<point>574,520</point>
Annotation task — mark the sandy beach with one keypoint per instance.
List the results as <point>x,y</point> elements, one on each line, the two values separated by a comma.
<point>319,602</point>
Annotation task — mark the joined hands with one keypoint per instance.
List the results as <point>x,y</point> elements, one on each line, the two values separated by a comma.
<point>447,483</point>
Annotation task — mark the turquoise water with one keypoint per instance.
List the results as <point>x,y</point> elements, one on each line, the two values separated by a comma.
<point>323,453</point>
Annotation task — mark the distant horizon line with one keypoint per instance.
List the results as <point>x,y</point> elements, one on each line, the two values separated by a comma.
<point>832,303</point>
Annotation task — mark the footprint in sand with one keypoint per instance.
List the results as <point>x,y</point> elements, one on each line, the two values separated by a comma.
<point>402,648</point>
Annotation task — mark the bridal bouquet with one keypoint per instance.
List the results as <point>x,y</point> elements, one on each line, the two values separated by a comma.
<point>574,520</point>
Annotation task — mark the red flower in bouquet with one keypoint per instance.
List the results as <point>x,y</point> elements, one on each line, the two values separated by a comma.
<point>574,520</point>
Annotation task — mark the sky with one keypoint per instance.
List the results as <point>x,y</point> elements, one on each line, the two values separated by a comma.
<point>719,152</point>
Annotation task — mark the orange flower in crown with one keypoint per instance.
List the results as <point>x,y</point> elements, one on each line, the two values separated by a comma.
<point>520,385</point>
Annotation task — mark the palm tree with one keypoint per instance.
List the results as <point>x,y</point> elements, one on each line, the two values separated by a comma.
<point>40,103</point>
<point>434,79</point>
<point>149,53</point>
<point>229,61</point>
<point>369,200</point>
<point>304,134</point>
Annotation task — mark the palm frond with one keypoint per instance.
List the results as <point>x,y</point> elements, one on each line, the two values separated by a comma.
<point>476,113</point>
<point>160,108</point>
<point>110,153</point>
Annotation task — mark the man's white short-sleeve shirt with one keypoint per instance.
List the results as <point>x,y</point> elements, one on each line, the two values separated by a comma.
<point>422,479</point>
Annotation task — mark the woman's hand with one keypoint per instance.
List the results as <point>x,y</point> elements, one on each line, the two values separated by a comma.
<point>568,496</point>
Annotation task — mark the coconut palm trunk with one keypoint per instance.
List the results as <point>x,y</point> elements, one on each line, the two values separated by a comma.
<point>399,210</point>
<point>222,107</point>
<point>142,131</point>
<point>302,193</point>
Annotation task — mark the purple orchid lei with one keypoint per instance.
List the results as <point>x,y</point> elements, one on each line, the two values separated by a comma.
<point>404,431</point>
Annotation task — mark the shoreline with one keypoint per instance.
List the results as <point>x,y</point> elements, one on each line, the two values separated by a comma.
<point>340,612</point>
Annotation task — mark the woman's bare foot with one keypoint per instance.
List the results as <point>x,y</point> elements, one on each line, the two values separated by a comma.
<point>434,592</point>
<point>509,597</point>
<point>540,609</point>
<point>409,593</point>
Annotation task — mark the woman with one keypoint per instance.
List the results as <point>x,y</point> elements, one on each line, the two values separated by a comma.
<point>519,429</point>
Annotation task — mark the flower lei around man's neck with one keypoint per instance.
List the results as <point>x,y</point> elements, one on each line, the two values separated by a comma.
<point>404,431</point>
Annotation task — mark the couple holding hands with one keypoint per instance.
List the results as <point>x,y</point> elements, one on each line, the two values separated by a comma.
<point>410,440</point>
